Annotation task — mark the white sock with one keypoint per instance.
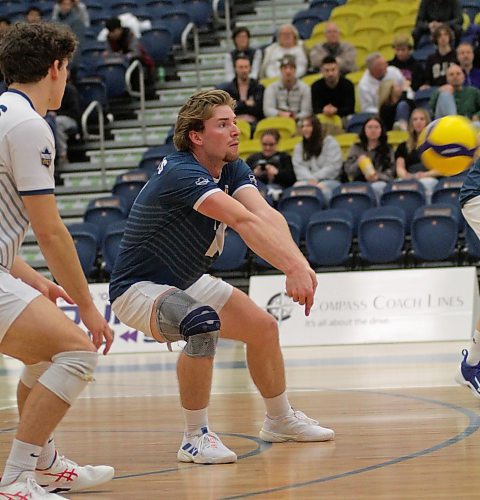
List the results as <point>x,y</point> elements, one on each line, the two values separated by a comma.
<point>195,420</point>
<point>23,457</point>
<point>278,406</point>
<point>47,455</point>
<point>473,357</point>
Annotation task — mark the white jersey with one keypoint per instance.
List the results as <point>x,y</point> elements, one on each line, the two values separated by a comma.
<point>27,153</point>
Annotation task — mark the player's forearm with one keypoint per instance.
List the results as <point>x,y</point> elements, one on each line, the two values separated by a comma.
<point>270,238</point>
<point>59,251</point>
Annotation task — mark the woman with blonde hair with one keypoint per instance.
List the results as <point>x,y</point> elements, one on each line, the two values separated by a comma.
<point>408,163</point>
<point>287,43</point>
<point>394,105</point>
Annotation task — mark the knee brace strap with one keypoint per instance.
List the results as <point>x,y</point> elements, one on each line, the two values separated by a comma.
<point>31,373</point>
<point>69,374</point>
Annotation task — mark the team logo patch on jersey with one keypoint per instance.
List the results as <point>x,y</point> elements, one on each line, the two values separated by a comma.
<point>161,166</point>
<point>201,181</point>
<point>46,158</point>
<point>3,109</point>
<point>253,179</point>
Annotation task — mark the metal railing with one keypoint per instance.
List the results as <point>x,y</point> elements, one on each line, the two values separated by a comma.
<point>137,65</point>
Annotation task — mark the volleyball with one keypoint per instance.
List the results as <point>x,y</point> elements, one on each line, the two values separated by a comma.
<point>448,144</point>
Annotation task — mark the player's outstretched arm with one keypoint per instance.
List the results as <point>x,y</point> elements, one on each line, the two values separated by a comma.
<point>59,251</point>
<point>266,232</point>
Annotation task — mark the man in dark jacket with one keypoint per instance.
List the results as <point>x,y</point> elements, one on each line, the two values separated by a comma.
<point>246,91</point>
<point>333,94</point>
<point>432,13</point>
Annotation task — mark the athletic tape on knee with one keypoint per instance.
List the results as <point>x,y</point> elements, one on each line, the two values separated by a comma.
<point>31,373</point>
<point>69,374</point>
<point>180,317</point>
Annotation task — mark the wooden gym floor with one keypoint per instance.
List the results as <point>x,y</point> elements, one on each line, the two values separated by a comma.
<point>404,429</point>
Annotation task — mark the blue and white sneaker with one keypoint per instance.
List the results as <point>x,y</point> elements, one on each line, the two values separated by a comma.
<point>205,448</point>
<point>469,375</point>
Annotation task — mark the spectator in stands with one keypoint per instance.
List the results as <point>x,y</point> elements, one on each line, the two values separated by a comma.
<point>395,106</point>
<point>377,70</point>
<point>5,24</point>
<point>317,159</point>
<point>241,40</point>
<point>288,43</point>
<point>408,164</point>
<point>270,165</point>
<point>78,7</point>
<point>69,14</point>
<point>289,96</point>
<point>411,69</point>
<point>437,63</point>
<point>121,40</point>
<point>33,15</point>
<point>465,57</point>
<point>67,122</point>
<point>246,91</point>
<point>433,13</point>
<point>454,98</point>
<point>372,158</point>
<point>333,94</point>
<point>343,52</point>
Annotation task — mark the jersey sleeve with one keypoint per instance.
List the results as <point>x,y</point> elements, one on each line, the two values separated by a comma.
<point>242,176</point>
<point>32,155</point>
<point>188,183</point>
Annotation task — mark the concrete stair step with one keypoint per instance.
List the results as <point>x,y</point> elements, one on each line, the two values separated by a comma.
<point>113,156</point>
<point>152,134</point>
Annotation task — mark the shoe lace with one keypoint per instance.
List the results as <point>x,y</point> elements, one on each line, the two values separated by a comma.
<point>301,416</point>
<point>208,440</point>
<point>66,462</point>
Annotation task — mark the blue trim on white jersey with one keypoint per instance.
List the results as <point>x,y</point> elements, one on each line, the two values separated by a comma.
<point>36,191</point>
<point>25,96</point>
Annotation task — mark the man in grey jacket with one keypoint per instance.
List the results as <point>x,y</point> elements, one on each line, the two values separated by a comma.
<point>289,96</point>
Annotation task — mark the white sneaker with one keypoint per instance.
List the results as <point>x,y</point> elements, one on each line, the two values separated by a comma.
<point>66,475</point>
<point>205,448</point>
<point>295,427</point>
<point>26,488</point>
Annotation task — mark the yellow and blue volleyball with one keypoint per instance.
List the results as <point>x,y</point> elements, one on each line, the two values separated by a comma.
<point>448,144</point>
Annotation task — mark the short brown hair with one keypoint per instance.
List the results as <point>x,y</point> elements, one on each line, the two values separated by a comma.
<point>193,114</point>
<point>27,51</point>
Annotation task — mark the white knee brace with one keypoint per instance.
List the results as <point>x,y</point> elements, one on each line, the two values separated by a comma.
<point>31,373</point>
<point>69,373</point>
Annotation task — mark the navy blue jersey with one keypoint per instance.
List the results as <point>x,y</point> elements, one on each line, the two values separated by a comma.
<point>471,186</point>
<point>166,240</point>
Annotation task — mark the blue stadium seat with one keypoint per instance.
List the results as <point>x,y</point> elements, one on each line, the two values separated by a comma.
<point>434,233</point>
<point>111,244</point>
<point>329,237</point>
<point>234,254</point>
<point>381,235</point>
<point>472,245</point>
<point>104,211</point>
<point>158,42</point>
<point>128,185</point>
<point>119,7</point>
<point>305,20</point>
<point>200,11</point>
<point>447,191</point>
<point>356,197</point>
<point>304,201</point>
<point>177,19</point>
<point>85,237</point>
<point>406,194</point>
<point>112,71</point>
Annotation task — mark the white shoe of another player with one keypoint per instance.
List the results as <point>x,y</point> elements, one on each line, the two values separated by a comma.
<point>66,475</point>
<point>295,427</point>
<point>25,487</point>
<point>205,448</point>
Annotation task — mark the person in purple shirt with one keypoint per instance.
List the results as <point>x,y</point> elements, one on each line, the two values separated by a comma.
<point>465,56</point>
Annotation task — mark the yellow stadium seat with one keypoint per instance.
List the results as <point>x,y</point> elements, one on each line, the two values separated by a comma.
<point>319,29</point>
<point>286,126</point>
<point>403,24</point>
<point>466,21</point>
<point>267,81</point>
<point>355,76</point>
<point>362,3</point>
<point>387,52</point>
<point>309,79</point>
<point>348,15</point>
<point>345,141</point>
<point>362,48</point>
<point>247,148</point>
<point>396,137</point>
<point>388,12</point>
<point>245,129</point>
<point>309,43</point>
<point>384,42</point>
<point>477,18</point>
<point>332,122</point>
<point>288,145</point>
<point>368,27</point>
